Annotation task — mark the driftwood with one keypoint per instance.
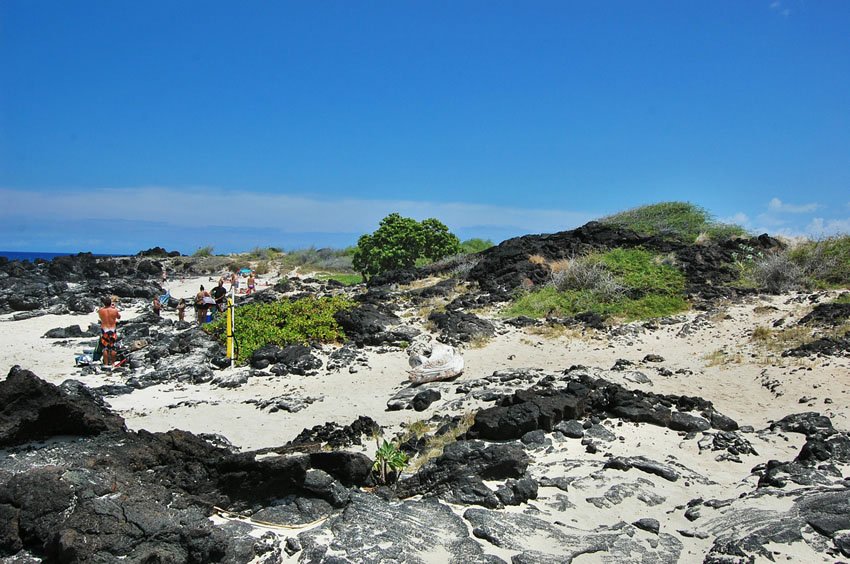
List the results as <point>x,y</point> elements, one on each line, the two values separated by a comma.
<point>443,363</point>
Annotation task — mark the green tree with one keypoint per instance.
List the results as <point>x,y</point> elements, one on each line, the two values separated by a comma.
<point>399,241</point>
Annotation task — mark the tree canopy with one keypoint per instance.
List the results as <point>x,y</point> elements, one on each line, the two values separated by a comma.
<point>399,242</point>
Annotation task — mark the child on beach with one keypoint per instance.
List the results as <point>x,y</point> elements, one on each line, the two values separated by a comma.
<point>181,310</point>
<point>157,306</point>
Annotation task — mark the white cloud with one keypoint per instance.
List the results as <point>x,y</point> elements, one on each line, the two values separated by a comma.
<point>778,206</point>
<point>739,218</point>
<point>820,227</point>
<point>778,7</point>
<point>196,207</point>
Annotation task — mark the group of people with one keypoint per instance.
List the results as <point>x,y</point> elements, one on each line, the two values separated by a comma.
<point>205,303</point>
<point>208,302</point>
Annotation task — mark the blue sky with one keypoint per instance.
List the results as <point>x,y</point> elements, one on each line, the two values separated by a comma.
<point>183,124</point>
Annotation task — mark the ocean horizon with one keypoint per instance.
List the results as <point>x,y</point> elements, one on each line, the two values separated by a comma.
<point>33,255</point>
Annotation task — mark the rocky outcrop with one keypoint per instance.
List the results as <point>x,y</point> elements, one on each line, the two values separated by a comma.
<point>31,410</point>
<point>458,474</point>
<point>372,322</point>
<point>544,407</point>
<point>373,530</point>
<point>115,495</point>
<point>74,283</point>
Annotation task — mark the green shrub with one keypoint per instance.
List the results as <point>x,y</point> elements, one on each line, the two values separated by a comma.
<point>679,220</point>
<point>643,271</point>
<point>826,262</point>
<point>475,245</point>
<point>203,252</point>
<point>625,283</point>
<point>777,273</point>
<point>305,320</point>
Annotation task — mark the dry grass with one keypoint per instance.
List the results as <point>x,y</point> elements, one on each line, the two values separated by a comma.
<point>559,265</point>
<point>779,340</point>
<point>436,444</point>
<point>479,341</point>
<point>537,259</point>
<point>722,358</point>
<point>554,331</point>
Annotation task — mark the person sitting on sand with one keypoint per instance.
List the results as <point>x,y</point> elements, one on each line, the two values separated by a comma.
<point>181,310</point>
<point>157,306</point>
<point>109,316</point>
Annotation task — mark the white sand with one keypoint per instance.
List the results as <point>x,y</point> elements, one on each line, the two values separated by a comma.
<point>737,388</point>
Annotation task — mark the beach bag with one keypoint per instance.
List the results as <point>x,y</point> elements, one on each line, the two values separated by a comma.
<point>98,351</point>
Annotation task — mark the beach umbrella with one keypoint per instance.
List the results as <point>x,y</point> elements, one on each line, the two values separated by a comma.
<point>245,271</point>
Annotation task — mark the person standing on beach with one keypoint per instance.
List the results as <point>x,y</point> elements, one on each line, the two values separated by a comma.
<point>157,306</point>
<point>181,310</point>
<point>234,283</point>
<point>109,316</point>
<point>219,294</point>
<point>251,283</point>
<point>200,305</point>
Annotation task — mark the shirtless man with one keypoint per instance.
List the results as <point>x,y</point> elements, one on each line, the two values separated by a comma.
<point>109,317</point>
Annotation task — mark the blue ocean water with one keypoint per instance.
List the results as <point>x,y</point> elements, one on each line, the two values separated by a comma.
<point>31,256</point>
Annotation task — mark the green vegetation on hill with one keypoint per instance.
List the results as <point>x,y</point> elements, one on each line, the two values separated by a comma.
<point>470,246</point>
<point>203,252</point>
<point>305,320</point>
<point>629,284</point>
<point>679,220</point>
<point>826,261</point>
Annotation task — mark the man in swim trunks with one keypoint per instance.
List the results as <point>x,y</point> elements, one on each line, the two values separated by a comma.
<point>219,294</point>
<point>109,317</point>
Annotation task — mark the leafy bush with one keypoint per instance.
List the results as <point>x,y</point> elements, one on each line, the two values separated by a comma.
<point>262,267</point>
<point>203,252</point>
<point>624,283</point>
<point>399,242</point>
<point>305,320</point>
<point>475,245</point>
<point>777,273</point>
<point>826,262</point>
<point>680,220</point>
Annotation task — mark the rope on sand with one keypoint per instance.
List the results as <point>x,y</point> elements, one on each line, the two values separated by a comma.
<point>231,516</point>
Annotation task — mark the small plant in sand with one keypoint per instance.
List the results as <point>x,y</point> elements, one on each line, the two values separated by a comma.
<point>720,357</point>
<point>782,339</point>
<point>389,461</point>
<point>479,341</point>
